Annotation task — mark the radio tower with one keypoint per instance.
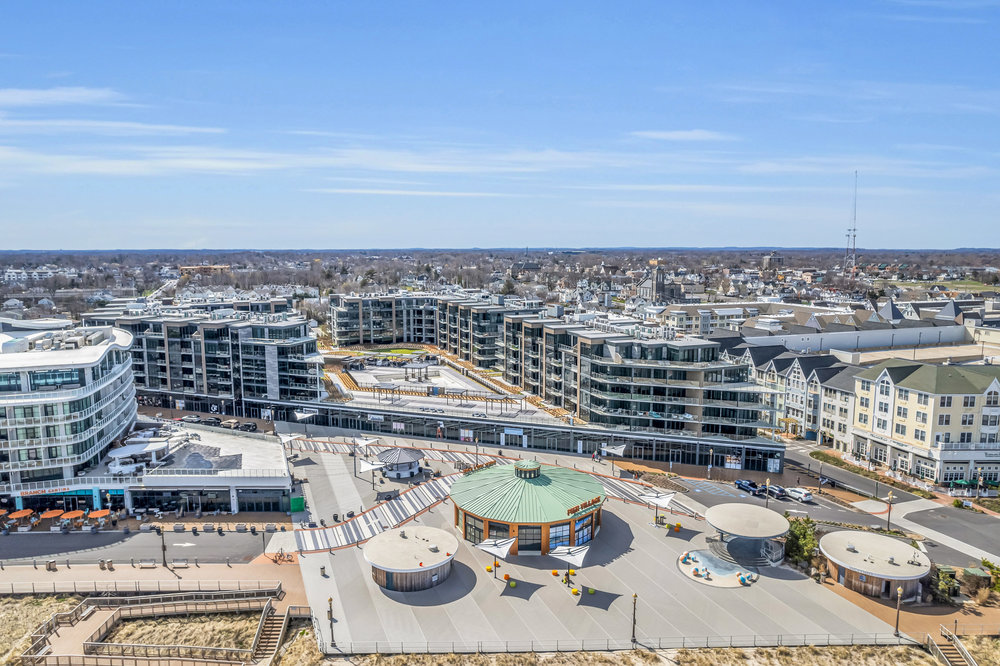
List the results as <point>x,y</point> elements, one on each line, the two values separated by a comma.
<point>851,254</point>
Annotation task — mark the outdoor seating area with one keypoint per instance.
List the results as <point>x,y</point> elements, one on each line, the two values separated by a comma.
<point>58,520</point>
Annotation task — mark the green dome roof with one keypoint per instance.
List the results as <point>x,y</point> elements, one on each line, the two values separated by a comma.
<point>502,493</point>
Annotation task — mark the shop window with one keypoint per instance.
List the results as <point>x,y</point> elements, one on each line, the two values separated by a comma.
<point>529,539</point>
<point>584,529</point>
<point>473,529</point>
<point>559,535</point>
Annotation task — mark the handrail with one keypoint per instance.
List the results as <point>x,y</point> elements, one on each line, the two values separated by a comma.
<point>959,645</point>
<point>265,612</point>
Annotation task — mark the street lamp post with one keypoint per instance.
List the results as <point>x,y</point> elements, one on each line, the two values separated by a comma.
<point>329,615</point>
<point>711,458</point>
<point>635,598</point>
<point>979,481</point>
<point>767,492</point>
<point>899,599</point>
<point>819,480</point>
<point>163,548</point>
<point>888,516</point>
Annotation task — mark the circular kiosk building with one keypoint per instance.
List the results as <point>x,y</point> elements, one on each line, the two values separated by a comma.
<point>748,534</point>
<point>542,506</point>
<point>411,558</point>
<point>400,463</point>
<point>874,564</point>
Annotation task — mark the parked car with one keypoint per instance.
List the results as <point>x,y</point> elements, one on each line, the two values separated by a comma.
<point>232,424</point>
<point>191,418</point>
<point>749,486</point>
<point>211,421</point>
<point>249,426</point>
<point>776,492</point>
<point>800,494</point>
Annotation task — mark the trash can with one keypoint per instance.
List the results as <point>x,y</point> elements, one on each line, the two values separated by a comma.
<point>50,565</point>
<point>101,564</point>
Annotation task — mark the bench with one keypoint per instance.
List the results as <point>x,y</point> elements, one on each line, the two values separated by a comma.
<point>208,527</point>
<point>179,563</point>
<point>147,564</point>
<point>270,528</point>
<point>178,527</point>
<point>241,527</point>
<point>87,612</point>
<point>145,527</point>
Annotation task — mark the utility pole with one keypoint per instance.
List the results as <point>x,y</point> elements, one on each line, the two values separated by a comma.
<point>899,599</point>
<point>163,548</point>
<point>888,516</point>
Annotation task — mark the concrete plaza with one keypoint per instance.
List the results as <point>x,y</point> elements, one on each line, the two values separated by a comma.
<point>630,555</point>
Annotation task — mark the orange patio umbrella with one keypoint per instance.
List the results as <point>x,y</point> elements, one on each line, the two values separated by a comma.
<point>52,513</point>
<point>100,513</point>
<point>23,513</point>
<point>3,512</point>
<point>70,515</point>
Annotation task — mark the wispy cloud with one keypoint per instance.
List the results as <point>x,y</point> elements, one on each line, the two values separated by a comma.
<point>16,97</point>
<point>684,135</point>
<point>408,193</point>
<point>922,18</point>
<point>155,160</point>
<point>102,127</point>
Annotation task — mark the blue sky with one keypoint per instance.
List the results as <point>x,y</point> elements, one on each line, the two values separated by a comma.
<point>438,124</point>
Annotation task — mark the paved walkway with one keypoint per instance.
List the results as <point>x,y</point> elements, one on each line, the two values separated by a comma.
<point>411,502</point>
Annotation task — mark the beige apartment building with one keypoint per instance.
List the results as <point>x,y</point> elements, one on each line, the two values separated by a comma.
<point>936,422</point>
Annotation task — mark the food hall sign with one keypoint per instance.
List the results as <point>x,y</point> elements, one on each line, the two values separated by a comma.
<point>580,507</point>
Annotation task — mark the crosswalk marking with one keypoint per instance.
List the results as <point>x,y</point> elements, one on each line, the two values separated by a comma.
<point>394,512</point>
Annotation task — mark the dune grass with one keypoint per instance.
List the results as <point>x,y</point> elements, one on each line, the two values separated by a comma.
<point>223,630</point>
<point>860,655</point>
<point>300,648</point>
<point>985,649</point>
<point>19,616</point>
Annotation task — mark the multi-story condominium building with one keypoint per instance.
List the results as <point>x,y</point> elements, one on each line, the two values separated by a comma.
<point>836,411</point>
<point>65,396</point>
<point>466,327</point>
<point>221,361</point>
<point>706,318</point>
<point>617,380</point>
<point>936,422</point>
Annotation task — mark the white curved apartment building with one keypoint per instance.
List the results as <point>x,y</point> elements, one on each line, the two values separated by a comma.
<point>65,396</point>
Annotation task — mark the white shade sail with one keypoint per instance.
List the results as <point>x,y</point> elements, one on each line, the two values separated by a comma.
<point>662,500</point>
<point>302,416</point>
<point>285,438</point>
<point>496,547</point>
<point>613,450</point>
<point>572,555</point>
<point>365,466</point>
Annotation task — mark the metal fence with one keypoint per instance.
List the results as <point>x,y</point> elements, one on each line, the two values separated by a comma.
<point>101,660</point>
<point>133,586</point>
<point>608,645</point>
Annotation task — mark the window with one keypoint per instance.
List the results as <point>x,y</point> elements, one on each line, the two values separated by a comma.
<point>10,381</point>
<point>965,437</point>
<point>883,408</point>
<point>944,419</point>
<point>558,535</point>
<point>901,412</point>
<point>866,385</point>
<point>865,403</point>
<point>992,398</point>
<point>883,388</point>
<point>473,529</point>
<point>863,418</point>
<point>968,419</point>
<point>991,420</point>
<point>901,429</point>
<point>529,539</point>
<point>881,424</point>
<point>584,529</point>
<point>919,435</point>
<point>499,530</point>
<point>903,394</point>
<point>921,417</point>
<point>945,401</point>
<point>969,401</point>
<point>922,399</point>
